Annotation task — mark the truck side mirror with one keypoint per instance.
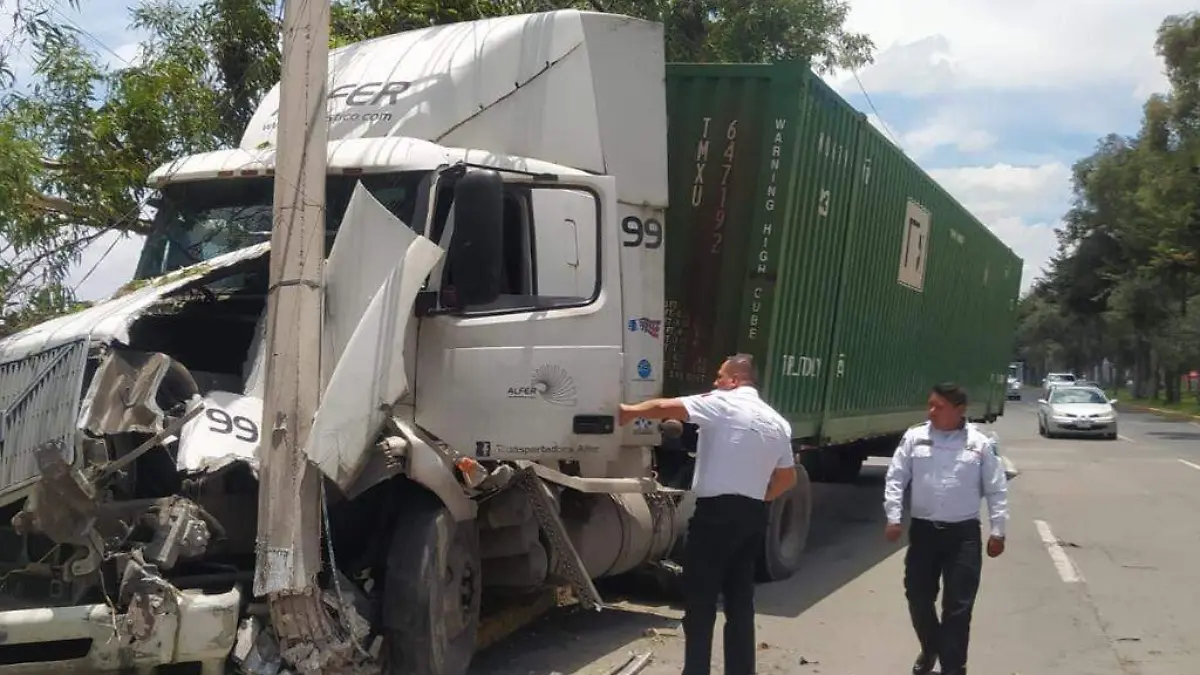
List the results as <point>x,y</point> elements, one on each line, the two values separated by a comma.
<point>475,256</point>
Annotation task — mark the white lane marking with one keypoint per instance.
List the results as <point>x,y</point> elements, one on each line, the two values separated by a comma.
<point>1125,438</point>
<point>1194,466</point>
<point>1062,562</point>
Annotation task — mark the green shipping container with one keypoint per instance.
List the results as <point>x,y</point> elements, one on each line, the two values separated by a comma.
<point>799,234</point>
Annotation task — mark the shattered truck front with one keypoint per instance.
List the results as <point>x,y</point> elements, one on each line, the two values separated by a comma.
<point>127,534</point>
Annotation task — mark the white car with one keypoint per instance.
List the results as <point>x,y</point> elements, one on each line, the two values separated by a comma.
<point>1014,389</point>
<point>1056,380</point>
<point>1077,410</point>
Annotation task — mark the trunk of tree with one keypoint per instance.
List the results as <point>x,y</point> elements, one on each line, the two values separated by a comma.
<point>1142,371</point>
<point>1171,378</point>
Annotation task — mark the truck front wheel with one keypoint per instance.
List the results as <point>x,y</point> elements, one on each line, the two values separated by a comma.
<point>787,530</point>
<point>432,593</point>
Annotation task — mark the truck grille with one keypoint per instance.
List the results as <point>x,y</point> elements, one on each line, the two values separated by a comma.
<point>39,402</point>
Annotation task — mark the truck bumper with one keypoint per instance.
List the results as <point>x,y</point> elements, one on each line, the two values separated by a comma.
<point>200,629</point>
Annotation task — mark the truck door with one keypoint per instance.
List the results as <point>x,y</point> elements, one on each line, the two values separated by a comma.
<point>536,374</point>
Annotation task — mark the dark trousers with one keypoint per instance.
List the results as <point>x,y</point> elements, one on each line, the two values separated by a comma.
<point>725,536</point>
<point>952,554</point>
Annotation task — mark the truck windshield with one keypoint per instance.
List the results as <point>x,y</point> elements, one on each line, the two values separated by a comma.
<point>204,219</point>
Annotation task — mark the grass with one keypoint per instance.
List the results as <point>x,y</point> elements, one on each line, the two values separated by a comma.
<point>1188,406</point>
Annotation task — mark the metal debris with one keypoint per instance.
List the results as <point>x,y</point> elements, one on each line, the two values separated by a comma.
<point>256,652</point>
<point>633,665</point>
<point>147,595</point>
<point>181,532</point>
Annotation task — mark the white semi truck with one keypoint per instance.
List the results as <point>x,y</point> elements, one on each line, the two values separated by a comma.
<point>498,279</point>
<point>475,348</point>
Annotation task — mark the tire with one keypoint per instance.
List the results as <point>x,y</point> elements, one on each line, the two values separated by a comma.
<point>430,557</point>
<point>846,466</point>
<point>788,521</point>
<point>814,465</point>
<point>1041,428</point>
<point>832,465</point>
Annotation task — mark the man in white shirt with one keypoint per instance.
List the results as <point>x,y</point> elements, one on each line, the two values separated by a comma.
<point>743,460</point>
<point>950,465</point>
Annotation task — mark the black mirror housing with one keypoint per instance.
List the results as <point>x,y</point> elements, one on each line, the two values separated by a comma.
<point>475,254</point>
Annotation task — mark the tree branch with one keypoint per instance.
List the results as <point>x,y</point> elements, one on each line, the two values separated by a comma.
<point>39,259</point>
<point>87,217</point>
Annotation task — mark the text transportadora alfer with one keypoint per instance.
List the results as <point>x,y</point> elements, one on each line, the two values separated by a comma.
<point>545,449</point>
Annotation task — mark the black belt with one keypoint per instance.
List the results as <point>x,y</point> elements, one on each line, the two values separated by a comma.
<point>948,525</point>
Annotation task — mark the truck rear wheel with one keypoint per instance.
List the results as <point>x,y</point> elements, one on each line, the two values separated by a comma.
<point>845,466</point>
<point>788,521</point>
<point>432,593</point>
<point>833,465</point>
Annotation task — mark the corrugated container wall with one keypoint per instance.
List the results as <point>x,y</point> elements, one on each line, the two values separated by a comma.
<point>801,235</point>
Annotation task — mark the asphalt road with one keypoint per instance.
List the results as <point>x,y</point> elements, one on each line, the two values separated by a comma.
<point>1100,575</point>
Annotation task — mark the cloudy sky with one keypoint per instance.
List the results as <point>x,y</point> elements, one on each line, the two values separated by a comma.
<point>995,98</point>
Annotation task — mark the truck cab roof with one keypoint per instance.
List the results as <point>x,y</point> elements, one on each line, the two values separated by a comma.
<point>365,155</point>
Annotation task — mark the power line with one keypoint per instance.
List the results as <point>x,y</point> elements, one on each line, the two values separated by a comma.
<point>104,255</point>
<point>886,129</point>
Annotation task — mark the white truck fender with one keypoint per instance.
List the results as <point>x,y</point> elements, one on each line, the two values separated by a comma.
<point>432,469</point>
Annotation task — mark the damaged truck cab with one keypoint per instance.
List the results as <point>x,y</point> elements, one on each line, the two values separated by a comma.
<point>493,290</point>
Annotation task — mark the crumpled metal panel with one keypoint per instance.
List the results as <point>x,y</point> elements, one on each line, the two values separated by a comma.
<point>125,393</point>
<point>39,404</point>
<point>370,374</point>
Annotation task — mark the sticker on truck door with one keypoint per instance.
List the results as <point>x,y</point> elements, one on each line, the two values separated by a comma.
<point>914,247</point>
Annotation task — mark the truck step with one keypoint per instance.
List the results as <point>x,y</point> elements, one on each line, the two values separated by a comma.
<point>568,566</point>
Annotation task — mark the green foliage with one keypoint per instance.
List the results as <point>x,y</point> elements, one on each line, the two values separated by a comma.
<point>1126,284</point>
<point>81,143</point>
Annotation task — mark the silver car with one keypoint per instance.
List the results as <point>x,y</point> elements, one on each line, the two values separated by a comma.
<point>1077,410</point>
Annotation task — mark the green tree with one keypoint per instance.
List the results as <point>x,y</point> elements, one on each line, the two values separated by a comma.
<point>80,144</point>
<point>1128,273</point>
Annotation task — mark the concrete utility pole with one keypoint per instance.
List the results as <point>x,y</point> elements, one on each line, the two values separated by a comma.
<point>289,503</point>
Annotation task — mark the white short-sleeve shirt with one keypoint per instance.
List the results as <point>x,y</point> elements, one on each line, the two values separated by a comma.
<point>742,441</point>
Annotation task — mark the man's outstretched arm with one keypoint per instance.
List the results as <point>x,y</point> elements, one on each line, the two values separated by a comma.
<point>700,409</point>
<point>654,409</point>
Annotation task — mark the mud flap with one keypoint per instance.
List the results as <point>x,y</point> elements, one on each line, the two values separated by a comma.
<point>568,565</point>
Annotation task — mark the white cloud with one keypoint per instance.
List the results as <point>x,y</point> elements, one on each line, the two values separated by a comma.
<point>1005,196</point>
<point>1034,243</point>
<point>1000,190</point>
<point>105,265</point>
<point>946,129</point>
<point>940,45</point>
<point>124,56</point>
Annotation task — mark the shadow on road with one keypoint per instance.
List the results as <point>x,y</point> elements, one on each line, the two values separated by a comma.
<point>567,640</point>
<point>1175,435</point>
<point>846,539</point>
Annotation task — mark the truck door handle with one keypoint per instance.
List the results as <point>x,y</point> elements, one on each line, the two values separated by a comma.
<point>593,425</point>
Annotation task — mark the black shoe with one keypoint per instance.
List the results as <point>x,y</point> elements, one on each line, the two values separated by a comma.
<point>923,665</point>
